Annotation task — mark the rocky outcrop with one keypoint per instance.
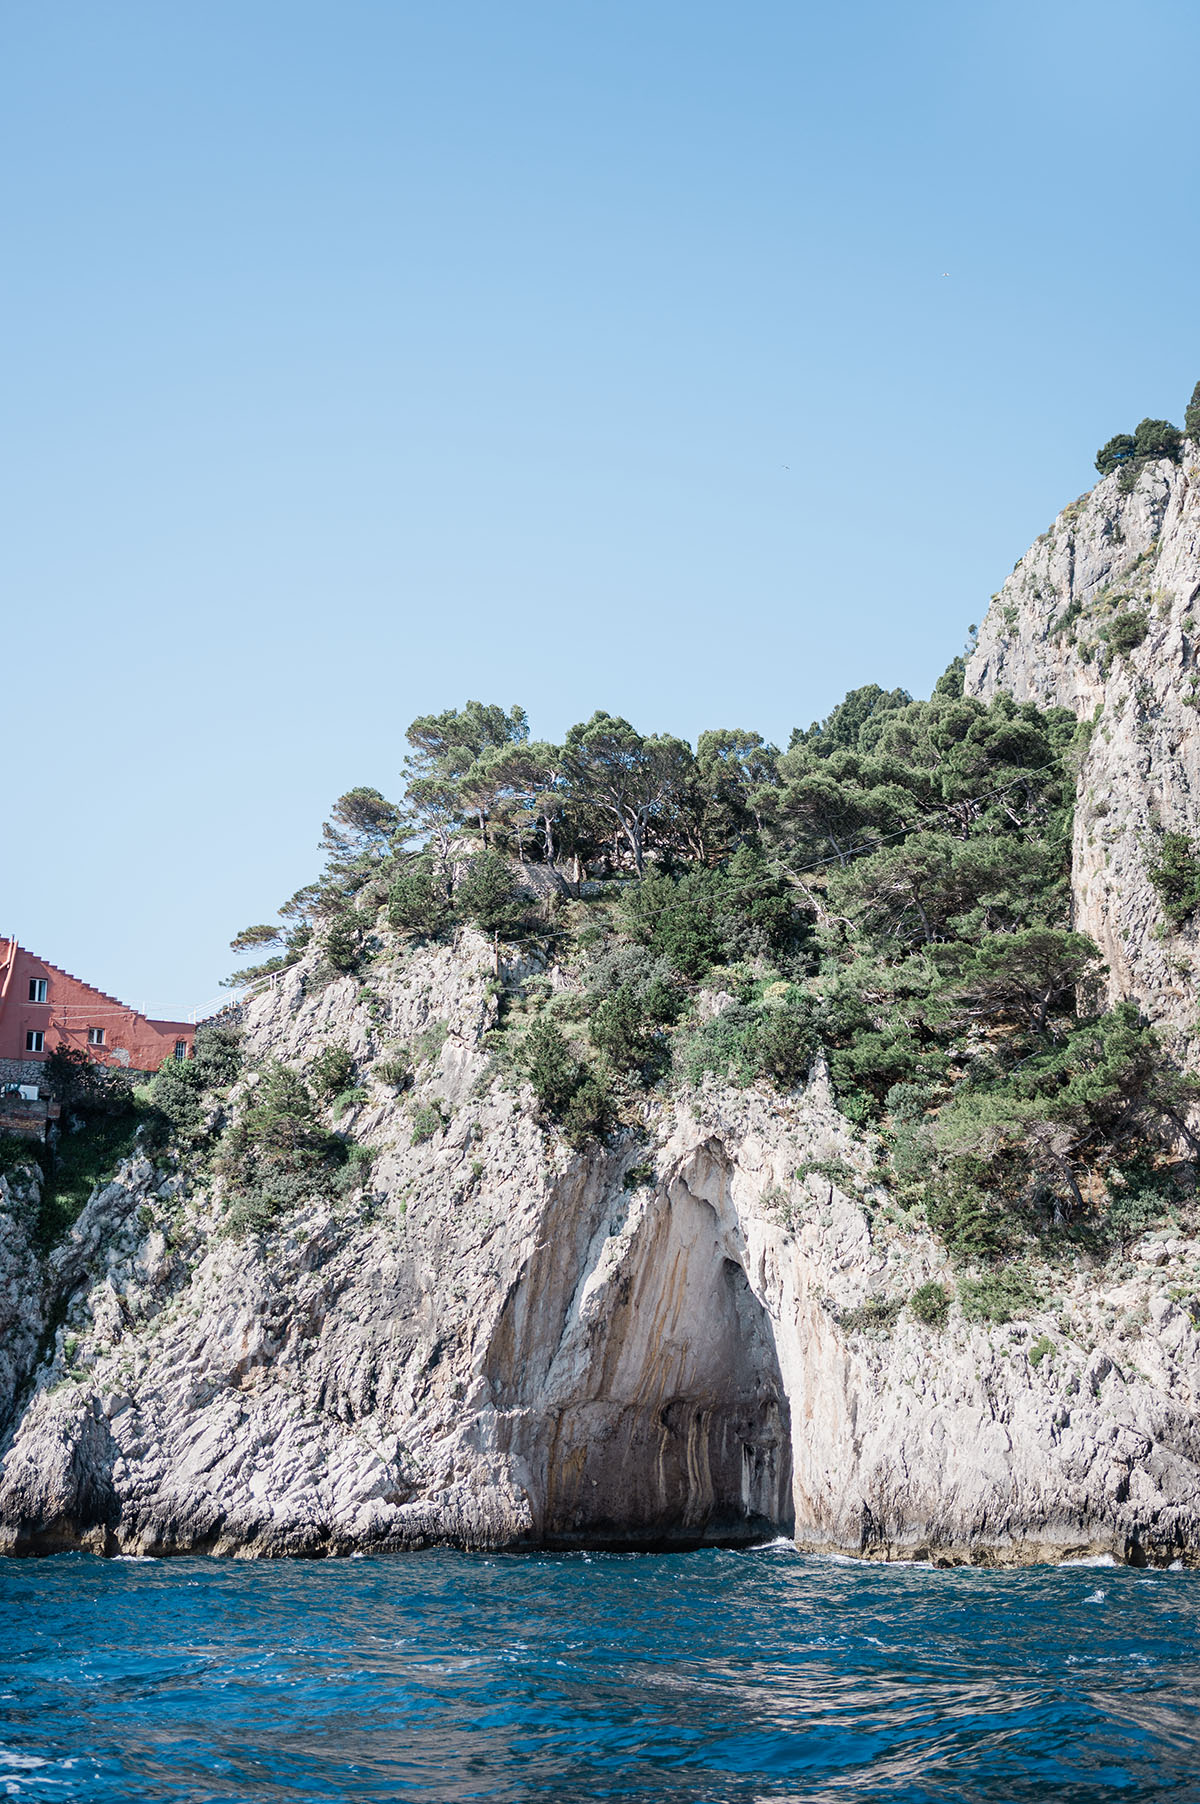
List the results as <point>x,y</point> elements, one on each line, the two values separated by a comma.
<point>501,1342</point>
<point>1102,616</point>
<point>21,1318</point>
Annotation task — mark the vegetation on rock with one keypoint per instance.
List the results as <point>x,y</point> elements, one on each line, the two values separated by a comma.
<point>889,896</point>
<point>1150,440</point>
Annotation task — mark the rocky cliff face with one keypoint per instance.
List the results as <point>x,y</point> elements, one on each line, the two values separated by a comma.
<point>1102,616</point>
<point>501,1342</point>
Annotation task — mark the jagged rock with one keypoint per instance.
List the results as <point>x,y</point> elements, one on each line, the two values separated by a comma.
<point>1121,550</point>
<point>503,1344</point>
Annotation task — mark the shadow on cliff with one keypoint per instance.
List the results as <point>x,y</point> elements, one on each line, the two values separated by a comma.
<point>635,1376</point>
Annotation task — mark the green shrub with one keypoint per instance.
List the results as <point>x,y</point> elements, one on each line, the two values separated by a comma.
<point>960,1210</point>
<point>486,896</point>
<point>17,1154</point>
<point>78,1082</point>
<point>720,1045</point>
<point>998,1297</point>
<point>1125,631</point>
<point>1118,450</point>
<point>1141,1197</point>
<point>427,1045</point>
<point>1191,419</point>
<point>930,1304</point>
<point>785,1043</point>
<point>1042,1348</point>
<point>82,1159</point>
<point>1175,874</point>
<point>277,1155</point>
<point>637,1175</point>
<point>395,1072</point>
<point>748,1041</point>
<point>620,1030</point>
<point>578,1098</point>
<point>1158,438</point>
<point>649,978</point>
<point>251,1212</point>
<point>676,919</point>
<point>708,916</point>
<point>426,1122</point>
<point>590,1113</point>
<point>878,1315</point>
<point>342,942</point>
<point>331,1070</point>
<point>216,1059</point>
<point>348,1099</point>
<point>417,902</point>
<point>359,1160</point>
<point>547,1062</point>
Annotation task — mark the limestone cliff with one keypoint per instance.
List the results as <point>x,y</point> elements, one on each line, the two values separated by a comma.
<point>503,1342</point>
<point>1102,616</point>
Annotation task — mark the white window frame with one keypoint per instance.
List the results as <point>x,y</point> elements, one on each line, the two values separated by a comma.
<point>35,1040</point>
<point>95,1036</point>
<point>181,1049</point>
<point>38,988</point>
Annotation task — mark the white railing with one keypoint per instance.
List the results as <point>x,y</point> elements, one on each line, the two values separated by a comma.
<point>254,987</point>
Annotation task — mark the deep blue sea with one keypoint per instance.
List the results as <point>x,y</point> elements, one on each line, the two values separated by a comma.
<point>705,1676</point>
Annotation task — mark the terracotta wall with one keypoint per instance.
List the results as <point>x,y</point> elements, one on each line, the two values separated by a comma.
<point>70,1010</point>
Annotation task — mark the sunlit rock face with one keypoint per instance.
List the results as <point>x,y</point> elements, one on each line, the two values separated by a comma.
<point>501,1342</point>
<point>1120,565</point>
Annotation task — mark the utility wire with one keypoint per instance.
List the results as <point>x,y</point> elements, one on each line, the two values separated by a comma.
<point>822,864</point>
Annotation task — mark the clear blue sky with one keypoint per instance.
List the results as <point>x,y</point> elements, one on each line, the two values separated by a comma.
<point>364,357</point>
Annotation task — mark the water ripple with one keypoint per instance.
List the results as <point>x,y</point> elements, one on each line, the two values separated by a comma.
<point>710,1678</point>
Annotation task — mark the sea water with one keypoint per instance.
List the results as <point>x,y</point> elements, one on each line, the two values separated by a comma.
<point>753,1675</point>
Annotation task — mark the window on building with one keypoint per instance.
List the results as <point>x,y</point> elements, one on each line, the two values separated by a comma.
<point>181,1049</point>
<point>37,989</point>
<point>95,1036</point>
<point>35,1040</point>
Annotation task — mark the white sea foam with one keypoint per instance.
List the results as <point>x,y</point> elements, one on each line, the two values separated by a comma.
<point>1095,1597</point>
<point>858,1559</point>
<point>1090,1559</point>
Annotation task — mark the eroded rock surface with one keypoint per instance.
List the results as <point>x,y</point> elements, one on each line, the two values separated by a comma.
<point>502,1342</point>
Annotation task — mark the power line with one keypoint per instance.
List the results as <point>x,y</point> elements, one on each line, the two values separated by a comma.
<point>902,832</point>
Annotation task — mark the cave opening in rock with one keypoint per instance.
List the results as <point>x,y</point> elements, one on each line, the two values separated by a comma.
<point>668,1427</point>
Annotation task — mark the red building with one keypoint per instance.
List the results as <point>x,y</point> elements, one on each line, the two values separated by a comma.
<point>42,1007</point>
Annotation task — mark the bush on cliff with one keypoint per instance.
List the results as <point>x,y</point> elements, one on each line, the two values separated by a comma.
<point>573,1095</point>
<point>1126,631</point>
<point>331,1071</point>
<point>1118,450</point>
<point>1191,419</point>
<point>486,897</point>
<point>417,902</point>
<point>1175,873</point>
<point>1152,439</point>
<point>277,1154</point>
<point>930,1304</point>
